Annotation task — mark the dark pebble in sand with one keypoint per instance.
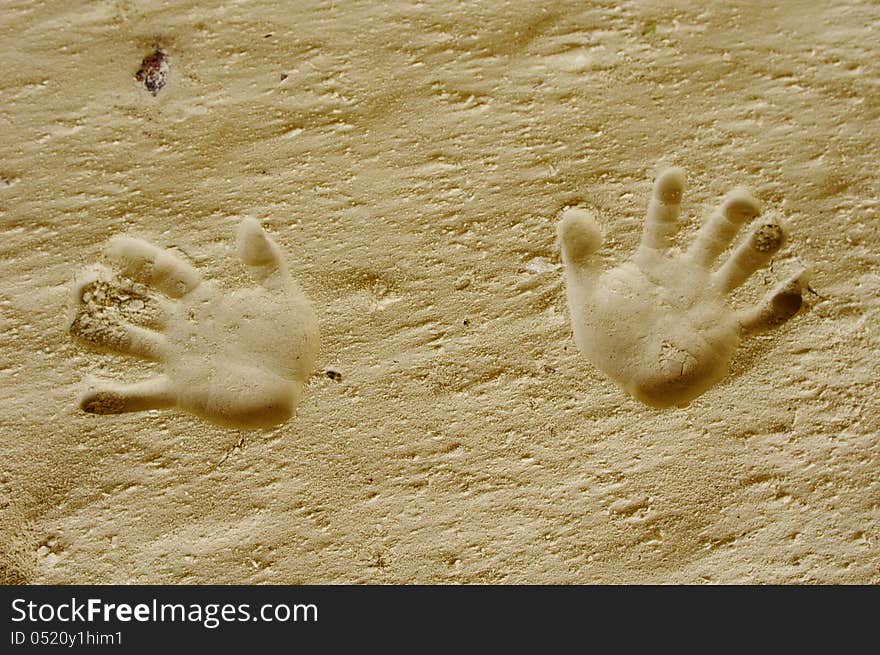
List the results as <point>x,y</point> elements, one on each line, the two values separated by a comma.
<point>154,71</point>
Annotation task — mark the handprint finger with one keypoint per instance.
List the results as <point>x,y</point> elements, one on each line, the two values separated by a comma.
<point>764,240</point>
<point>258,250</point>
<point>663,208</point>
<point>158,268</point>
<point>578,236</point>
<point>107,397</point>
<point>780,305</point>
<point>93,320</point>
<point>738,208</point>
<point>118,336</point>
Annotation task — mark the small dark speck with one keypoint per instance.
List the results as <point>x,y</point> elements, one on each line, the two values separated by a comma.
<point>266,36</point>
<point>336,376</point>
<point>466,322</point>
<point>284,76</point>
<point>154,71</point>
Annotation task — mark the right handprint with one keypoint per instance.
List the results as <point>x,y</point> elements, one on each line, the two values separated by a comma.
<point>658,325</point>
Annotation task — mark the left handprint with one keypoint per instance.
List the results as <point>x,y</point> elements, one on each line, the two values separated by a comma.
<point>239,359</point>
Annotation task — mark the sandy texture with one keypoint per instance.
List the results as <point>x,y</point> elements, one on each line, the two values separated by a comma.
<point>412,159</point>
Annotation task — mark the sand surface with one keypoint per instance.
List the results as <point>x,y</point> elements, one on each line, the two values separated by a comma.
<point>412,160</point>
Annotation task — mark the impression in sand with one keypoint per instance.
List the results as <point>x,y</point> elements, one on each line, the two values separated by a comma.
<point>239,359</point>
<point>658,325</point>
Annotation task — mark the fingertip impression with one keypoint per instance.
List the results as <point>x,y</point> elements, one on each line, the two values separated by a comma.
<point>577,233</point>
<point>669,185</point>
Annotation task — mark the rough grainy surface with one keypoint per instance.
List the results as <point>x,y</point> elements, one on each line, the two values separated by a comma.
<point>412,160</point>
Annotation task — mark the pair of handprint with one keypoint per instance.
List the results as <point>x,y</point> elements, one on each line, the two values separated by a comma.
<point>656,325</point>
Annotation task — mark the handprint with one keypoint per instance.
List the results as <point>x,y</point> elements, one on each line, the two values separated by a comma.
<point>658,324</point>
<point>239,359</point>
